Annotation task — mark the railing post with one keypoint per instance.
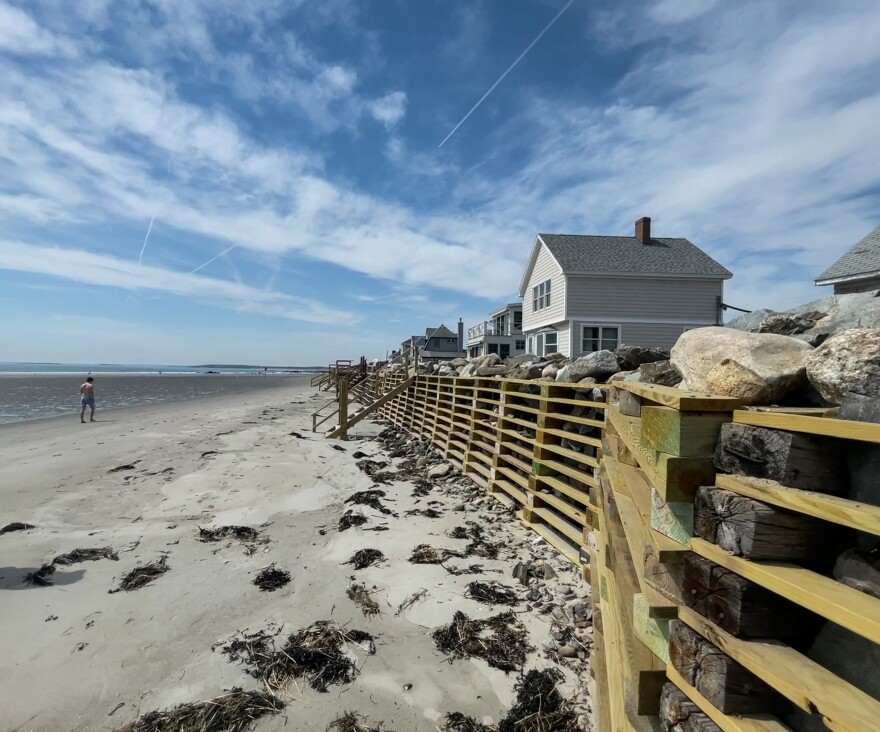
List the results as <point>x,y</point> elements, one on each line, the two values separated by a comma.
<point>343,409</point>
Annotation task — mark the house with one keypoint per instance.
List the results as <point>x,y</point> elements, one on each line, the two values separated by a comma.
<point>501,334</point>
<point>438,344</point>
<point>588,293</point>
<point>858,270</point>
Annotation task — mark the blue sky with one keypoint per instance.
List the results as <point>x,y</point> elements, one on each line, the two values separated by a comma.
<point>287,154</point>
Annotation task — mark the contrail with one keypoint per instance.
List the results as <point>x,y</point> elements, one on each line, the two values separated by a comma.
<point>144,247</point>
<point>214,258</point>
<point>509,69</point>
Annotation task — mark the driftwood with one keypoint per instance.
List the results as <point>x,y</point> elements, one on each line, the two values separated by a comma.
<point>795,460</point>
<point>758,530</point>
<point>740,606</point>
<point>730,687</point>
<point>680,714</point>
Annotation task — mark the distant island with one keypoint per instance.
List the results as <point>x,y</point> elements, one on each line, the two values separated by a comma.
<point>249,367</point>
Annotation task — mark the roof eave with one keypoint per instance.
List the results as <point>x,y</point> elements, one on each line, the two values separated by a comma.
<point>677,275</point>
<point>847,278</point>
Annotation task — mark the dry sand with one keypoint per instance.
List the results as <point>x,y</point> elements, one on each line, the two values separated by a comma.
<point>76,657</point>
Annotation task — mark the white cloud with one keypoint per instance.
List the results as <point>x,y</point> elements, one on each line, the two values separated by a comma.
<point>96,269</point>
<point>389,109</point>
<point>19,33</point>
<point>678,11</point>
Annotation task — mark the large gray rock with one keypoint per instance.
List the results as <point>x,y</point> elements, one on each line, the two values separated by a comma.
<point>749,321</point>
<point>848,361</point>
<point>788,324</point>
<point>756,367</point>
<point>659,372</point>
<point>630,358</point>
<point>554,357</point>
<point>600,365</point>
<point>459,363</point>
<point>446,370</point>
<point>859,570</point>
<point>498,370</point>
<point>524,372</point>
<point>468,370</point>
<point>551,369</point>
<point>523,358</point>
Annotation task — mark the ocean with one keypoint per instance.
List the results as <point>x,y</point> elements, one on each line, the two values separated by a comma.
<point>34,391</point>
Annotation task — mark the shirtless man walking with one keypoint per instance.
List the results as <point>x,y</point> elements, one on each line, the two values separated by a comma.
<point>88,400</point>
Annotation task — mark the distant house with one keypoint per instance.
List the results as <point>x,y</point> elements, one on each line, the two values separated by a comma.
<point>501,334</point>
<point>858,270</point>
<point>588,293</point>
<point>438,344</point>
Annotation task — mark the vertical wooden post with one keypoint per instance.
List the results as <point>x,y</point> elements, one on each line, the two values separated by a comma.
<point>343,408</point>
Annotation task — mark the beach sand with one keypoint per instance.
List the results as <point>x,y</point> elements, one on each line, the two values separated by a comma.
<point>77,657</point>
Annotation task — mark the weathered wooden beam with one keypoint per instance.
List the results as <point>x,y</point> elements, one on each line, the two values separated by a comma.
<point>684,434</point>
<point>794,459</point>
<point>381,401</point>
<point>740,606</point>
<point>727,685</point>
<point>680,714</point>
<point>758,530</point>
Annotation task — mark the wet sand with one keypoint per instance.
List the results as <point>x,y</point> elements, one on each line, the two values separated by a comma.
<point>77,657</point>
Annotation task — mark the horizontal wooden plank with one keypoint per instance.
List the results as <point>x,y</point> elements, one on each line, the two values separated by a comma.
<point>580,475</point>
<point>556,540</point>
<point>578,516</point>
<point>518,449</point>
<point>825,426</point>
<point>520,480</point>
<point>727,722</point>
<point>834,601</point>
<point>516,463</point>
<point>481,469</point>
<point>841,706</point>
<point>572,436</point>
<point>505,485</point>
<point>561,524</point>
<point>599,424</point>
<point>570,454</point>
<point>861,516</point>
<point>686,401</point>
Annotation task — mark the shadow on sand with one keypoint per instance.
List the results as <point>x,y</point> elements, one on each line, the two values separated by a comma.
<point>12,578</point>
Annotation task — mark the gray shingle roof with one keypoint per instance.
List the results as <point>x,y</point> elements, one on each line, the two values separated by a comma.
<point>627,254</point>
<point>864,257</point>
<point>441,332</point>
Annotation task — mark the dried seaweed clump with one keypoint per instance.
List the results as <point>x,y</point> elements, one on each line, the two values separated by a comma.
<point>479,546</point>
<point>410,601</point>
<point>318,653</point>
<point>270,579</point>
<point>141,576</point>
<point>354,722</point>
<point>491,594</point>
<point>458,722</point>
<point>369,498</point>
<point>16,526</point>
<point>239,533</point>
<point>371,467</point>
<point>539,706</point>
<point>41,576</point>
<point>350,518</point>
<point>365,557</point>
<point>86,555</point>
<point>426,554</point>
<point>360,596</point>
<point>501,640</point>
<point>234,711</point>
<point>426,512</point>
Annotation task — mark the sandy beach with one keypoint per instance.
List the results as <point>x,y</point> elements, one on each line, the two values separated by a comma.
<point>143,480</point>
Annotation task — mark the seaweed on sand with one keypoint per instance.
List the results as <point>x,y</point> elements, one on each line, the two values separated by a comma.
<point>360,596</point>
<point>478,545</point>
<point>539,706</point>
<point>270,579</point>
<point>499,640</point>
<point>371,467</point>
<point>458,722</point>
<point>141,576</point>
<point>426,554</point>
<point>458,571</point>
<point>426,512</point>
<point>41,576</point>
<point>354,722</point>
<point>234,711</point>
<point>86,555</point>
<point>239,533</point>
<point>369,498</point>
<point>350,518</point>
<point>16,526</point>
<point>491,594</point>
<point>411,600</point>
<point>318,653</point>
<point>422,489</point>
<point>365,557</point>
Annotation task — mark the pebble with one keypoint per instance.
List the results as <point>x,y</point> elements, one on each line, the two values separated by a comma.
<point>460,507</point>
<point>567,652</point>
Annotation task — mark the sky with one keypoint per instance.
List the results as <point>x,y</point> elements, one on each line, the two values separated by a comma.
<point>211,181</point>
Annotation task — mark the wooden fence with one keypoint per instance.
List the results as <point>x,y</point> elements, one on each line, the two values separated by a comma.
<point>708,588</point>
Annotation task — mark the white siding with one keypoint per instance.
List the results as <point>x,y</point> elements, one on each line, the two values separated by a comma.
<point>545,269</point>
<point>647,335</point>
<point>607,299</point>
<point>564,340</point>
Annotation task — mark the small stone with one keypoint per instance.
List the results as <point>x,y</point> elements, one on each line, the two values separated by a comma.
<point>421,462</point>
<point>460,507</point>
<point>440,471</point>
<point>549,572</point>
<point>567,652</point>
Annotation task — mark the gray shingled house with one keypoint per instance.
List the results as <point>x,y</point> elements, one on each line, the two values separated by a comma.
<point>588,293</point>
<point>858,270</point>
<point>438,344</point>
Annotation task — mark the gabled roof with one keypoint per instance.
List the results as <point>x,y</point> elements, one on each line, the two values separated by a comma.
<point>626,255</point>
<point>441,332</point>
<point>862,259</point>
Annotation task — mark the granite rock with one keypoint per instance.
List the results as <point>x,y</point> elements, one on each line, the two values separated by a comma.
<point>600,364</point>
<point>848,361</point>
<point>630,358</point>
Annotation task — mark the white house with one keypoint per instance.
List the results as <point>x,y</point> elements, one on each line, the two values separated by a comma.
<point>588,293</point>
<point>501,334</point>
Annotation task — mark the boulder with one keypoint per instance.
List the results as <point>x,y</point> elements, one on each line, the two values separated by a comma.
<point>600,365</point>
<point>551,369</point>
<point>446,370</point>
<point>440,470</point>
<point>468,370</point>
<point>520,360</point>
<point>554,357</point>
<point>788,324</point>
<point>749,321</point>
<point>659,372</point>
<point>623,376</point>
<point>848,361</point>
<point>844,312</point>
<point>524,372</point>
<point>497,370</point>
<point>859,570</point>
<point>458,363</point>
<point>757,367</point>
<point>630,358</point>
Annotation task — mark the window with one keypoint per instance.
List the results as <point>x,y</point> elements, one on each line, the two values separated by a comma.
<point>493,348</point>
<point>517,320</point>
<point>520,346</point>
<point>550,340</point>
<point>504,351</point>
<point>532,344</point>
<point>600,338</point>
<point>541,296</point>
<point>501,325</point>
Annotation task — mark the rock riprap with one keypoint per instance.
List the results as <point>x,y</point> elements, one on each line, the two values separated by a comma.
<point>847,362</point>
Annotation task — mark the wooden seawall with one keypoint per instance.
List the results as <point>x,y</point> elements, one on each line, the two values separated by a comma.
<point>708,588</point>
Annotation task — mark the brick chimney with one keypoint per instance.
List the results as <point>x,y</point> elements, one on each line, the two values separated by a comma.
<point>643,230</point>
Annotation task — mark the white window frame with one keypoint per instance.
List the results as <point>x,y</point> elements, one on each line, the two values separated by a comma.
<point>555,347</point>
<point>601,337</point>
<point>541,296</point>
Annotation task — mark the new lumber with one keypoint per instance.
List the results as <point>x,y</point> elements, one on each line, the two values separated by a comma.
<point>686,401</point>
<point>825,426</point>
<point>380,402</point>
<point>839,705</point>
<point>683,434</point>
